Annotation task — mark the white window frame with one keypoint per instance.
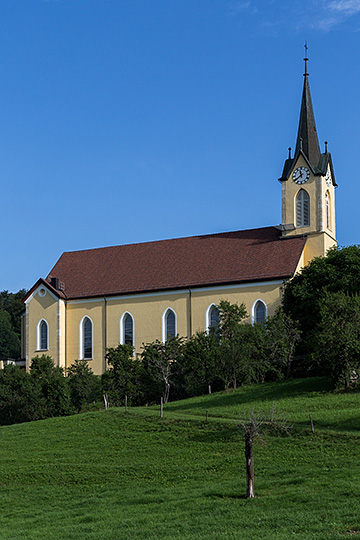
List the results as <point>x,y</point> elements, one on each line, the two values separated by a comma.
<point>38,335</point>
<point>163,324</point>
<point>207,316</point>
<point>253,310</point>
<point>81,338</point>
<point>122,328</point>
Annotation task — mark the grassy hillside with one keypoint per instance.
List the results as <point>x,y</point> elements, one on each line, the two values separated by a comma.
<point>110,475</point>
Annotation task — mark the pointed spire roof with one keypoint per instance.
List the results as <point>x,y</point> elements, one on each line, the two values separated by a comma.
<point>307,139</point>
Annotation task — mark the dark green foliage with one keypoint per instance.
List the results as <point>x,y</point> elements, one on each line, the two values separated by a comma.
<point>84,385</point>
<point>281,339</point>
<point>303,295</point>
<point>12,303</point>
<point>199,364</point>
<point>241,352</point>
<point>123,377</point>
<point>52,387</point>
<point>162,362</point>
<point>338,338</point>
<point>19,397</point>
<point>9,340</point>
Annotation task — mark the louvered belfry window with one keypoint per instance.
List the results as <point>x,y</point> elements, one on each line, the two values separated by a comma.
<point>327,210</point>
<point>302,209</point>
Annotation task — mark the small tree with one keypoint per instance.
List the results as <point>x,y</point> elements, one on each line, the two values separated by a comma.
<point>83,384</point>
<point>254,426</point>
<point>338,344</point>
<point>159,360</point>
<point>282,337</point>
<point>231,316</point>
<point>122,378</point>
<point>52,387</point>
<point>200,362</point>
<point>9,340</point>
<point>19,397</point>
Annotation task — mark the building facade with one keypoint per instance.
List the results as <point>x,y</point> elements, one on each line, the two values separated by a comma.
<point>98,298</point>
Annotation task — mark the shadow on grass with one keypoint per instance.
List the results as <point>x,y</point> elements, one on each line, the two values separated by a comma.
<point>225,496</point>
<point>350,424</point>
<point>273,391</point>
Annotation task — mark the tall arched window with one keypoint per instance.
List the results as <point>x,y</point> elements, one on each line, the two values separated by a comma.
<point>169,325</point>
<point>327,209</point>
<point>127,330</point>
<point>258,312</point>
<point>86,339</point>
<point>212,318</point>
<point>302,209</point>
<point>42,336</point>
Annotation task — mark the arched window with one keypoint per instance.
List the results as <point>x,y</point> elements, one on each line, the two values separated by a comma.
<point>169,325</point>
<point>42,336</point>
<point>258,312</point>
<point>212,318</point>
<point>127,330</point>
<point>86,339</point>
<point>302,209</point>
<point>327,209</point>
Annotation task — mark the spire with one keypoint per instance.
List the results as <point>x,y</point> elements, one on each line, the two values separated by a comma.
<point>307,139</point>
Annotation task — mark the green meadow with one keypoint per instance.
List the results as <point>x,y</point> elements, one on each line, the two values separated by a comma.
<point>110,475</point>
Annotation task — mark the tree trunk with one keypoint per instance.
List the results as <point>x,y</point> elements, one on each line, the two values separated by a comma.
<point>249,457</point>
<point>166,393</point>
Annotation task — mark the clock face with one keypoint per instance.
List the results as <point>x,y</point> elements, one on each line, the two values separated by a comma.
<point>301,175</point>
<point>328,178</point>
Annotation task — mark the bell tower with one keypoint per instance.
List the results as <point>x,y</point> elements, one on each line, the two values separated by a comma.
<point>308,185</point>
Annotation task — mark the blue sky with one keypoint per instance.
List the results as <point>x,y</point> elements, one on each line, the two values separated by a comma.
<point>132,120</point>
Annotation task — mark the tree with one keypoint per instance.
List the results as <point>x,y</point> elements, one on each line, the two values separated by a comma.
<point>338,271</point>
<point>282,337</point>
<point>19,397</point>
<point>13,304</point>
<point>83,384</point>
<point>52,386</point>
<point>9,340</point>
<point>160,362</point>
<point>338,339</point>
<point>122,378</point>
<point>254,425</point>
<point>200,362</point>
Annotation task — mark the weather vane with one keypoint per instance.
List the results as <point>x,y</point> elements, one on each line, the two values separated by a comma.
<point>306,49</point>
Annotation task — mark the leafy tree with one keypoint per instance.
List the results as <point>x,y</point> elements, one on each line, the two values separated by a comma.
<point>52,387</point>
<point>9,340</point>
<point>19,397</point>
<point>12,303</point>
<point>83,384</point>
<point>338,338</point>
<point>281,339</point>
<point>160,362</point>
<point>122,378</point>
<point>338,271</point>
<point>200,362</point>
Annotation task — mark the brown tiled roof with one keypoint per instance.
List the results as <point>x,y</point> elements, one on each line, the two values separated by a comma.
<point>215,259</point>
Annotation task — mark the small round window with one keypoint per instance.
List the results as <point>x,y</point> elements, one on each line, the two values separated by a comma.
<point>42,291</point>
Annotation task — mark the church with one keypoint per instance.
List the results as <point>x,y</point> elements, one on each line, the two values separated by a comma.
<point>97,298</point>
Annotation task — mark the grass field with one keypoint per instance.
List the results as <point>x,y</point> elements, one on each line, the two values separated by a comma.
<point>110,475</point>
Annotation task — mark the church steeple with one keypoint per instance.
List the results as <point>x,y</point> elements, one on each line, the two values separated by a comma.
<point>307,139</point>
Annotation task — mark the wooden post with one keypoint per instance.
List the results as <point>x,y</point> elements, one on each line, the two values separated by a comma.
<point>125,402</point>
<point>209,388</point>
<point>161,406</point>
<point>312,424</point>
<point>207,415</point>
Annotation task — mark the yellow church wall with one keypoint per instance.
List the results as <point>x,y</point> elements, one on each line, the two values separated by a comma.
<point>147,311</point>
<point>75,314</point>
<point>38,308</point>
